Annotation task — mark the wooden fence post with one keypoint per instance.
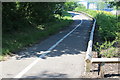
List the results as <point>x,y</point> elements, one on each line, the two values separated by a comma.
<point>88,66</point>
<point>102,70</point>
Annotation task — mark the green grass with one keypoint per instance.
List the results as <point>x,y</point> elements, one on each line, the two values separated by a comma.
<point>18,40</point>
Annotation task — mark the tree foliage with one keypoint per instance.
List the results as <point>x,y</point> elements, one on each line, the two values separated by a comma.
<point>69,6</point>
<point>114,4</point>
<point>17,15</point>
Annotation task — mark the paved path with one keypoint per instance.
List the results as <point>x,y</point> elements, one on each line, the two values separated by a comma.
<point>65,59</point>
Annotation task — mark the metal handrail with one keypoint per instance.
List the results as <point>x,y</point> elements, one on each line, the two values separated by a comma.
<point>90,43</point>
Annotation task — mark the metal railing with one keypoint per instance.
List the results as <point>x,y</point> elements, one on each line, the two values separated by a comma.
<point>89,60</point>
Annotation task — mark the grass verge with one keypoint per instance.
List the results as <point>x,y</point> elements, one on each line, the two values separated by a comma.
<point>18,40</point>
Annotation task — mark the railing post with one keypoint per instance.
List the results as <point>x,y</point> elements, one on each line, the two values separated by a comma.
<point>102,70</point>
<point>87,66</point>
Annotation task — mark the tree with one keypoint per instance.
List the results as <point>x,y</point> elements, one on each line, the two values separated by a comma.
<point>115,4</point>
<point>69,6</point>
<point>16,15</point>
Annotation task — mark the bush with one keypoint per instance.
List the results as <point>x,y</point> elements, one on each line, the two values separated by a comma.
<point>107,49</point>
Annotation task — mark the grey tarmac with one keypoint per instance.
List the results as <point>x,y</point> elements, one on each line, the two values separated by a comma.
<point>65,60</point>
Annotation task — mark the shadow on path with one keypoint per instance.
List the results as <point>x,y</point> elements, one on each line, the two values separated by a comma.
<point>111,75</point>
<point>74,44</point>
<point>46,74</point>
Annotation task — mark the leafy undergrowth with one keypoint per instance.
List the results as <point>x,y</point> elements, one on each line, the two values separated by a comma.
<point>17,40</point>
<point>107,34</point>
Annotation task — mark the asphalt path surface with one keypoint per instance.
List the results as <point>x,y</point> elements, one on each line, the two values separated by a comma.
<point>59,56</point>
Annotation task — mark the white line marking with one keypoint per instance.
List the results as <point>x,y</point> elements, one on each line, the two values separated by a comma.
<point>52,47</point>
